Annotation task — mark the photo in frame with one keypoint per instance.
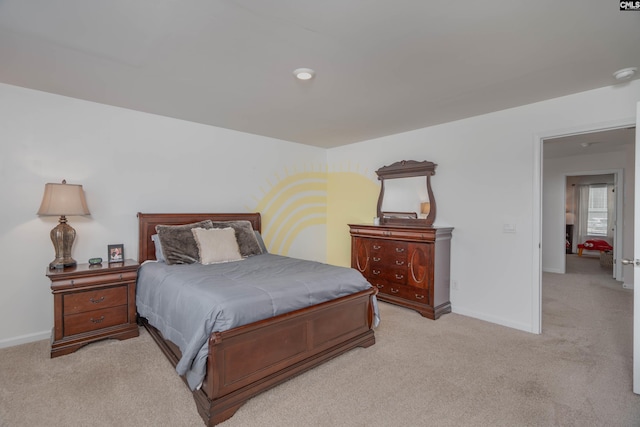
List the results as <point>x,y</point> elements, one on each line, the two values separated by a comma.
<point>116,253</point>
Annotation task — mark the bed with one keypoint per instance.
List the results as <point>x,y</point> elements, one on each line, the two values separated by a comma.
<point>243,361</point>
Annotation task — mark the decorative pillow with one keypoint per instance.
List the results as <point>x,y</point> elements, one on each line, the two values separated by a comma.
<point>245,236</point>
<point>156,243</point>
<point>178,244</point>
<point>263,247</point>
<point>217,245</point>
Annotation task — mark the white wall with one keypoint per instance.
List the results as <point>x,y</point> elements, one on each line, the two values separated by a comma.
<point>127,162</point>
<point>487,176</point>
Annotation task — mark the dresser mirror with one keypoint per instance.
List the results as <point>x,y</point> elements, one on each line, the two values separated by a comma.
<point>406,196</point>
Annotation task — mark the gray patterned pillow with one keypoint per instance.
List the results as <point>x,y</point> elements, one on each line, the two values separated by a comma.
<point>178,244</point>
<point>247,241</point>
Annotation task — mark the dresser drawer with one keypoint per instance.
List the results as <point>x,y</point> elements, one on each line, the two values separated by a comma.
<point>388,274</point>
<point>387,247</point>
<point>415,294</point>
<point>389,261</point>
<point>80,302</point>
<point>101,279</point>
<point>410,293</point>
<point>92,320</point>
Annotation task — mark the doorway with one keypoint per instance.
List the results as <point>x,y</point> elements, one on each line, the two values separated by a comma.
<point>559,157</point>
<point>600,153</point>
<point>593,210</point>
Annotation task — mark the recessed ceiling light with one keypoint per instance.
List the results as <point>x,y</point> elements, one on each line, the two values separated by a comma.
<point>625,73</point>
<point>586,144</point>
<point>304,73</point>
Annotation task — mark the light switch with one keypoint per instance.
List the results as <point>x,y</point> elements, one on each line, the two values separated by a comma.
<point>508,228</point>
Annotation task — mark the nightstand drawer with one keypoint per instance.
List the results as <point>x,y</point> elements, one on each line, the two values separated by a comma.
<point>80,302</point>
<point>100,279</point>
<point>92,320</point>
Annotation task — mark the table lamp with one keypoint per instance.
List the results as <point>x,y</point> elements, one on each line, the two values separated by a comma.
<point>63,199</point>
<point>425,208</point>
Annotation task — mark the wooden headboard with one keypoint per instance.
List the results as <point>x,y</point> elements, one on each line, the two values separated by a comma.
<point>147,226</point>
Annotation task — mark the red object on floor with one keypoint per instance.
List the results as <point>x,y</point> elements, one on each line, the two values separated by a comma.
<point>594,245</point>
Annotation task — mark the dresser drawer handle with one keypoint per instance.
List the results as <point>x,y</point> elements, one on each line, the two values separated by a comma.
<point>376,246</point>
<point>376,272</point>
<point>121,276</point>
<point>97,320</point>
<point>73,282</point>
<point>399,262</point>
<point>379,286</point>
<point>96,301</point>
<point>399,249</point>
<point>394,291</point>
<point>418,296</point>
<point>376,259</point>
<point>399,276</point>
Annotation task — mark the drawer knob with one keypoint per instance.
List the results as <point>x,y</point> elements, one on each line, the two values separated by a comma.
<point>376,246</point>
<point>418,296</point>
<point>399,249</point>
<point>376,272</point>
<point>379,286</point>
<point>96,301</point>
<point>399,276</point>
<point>399,262</point>
<point>376,259</point>
<point>394,291</point>
<point>99,320</point>
<point>73,282</point>
<point>120,276</point>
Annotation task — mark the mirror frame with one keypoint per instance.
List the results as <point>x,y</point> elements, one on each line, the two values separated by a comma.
<point>407,169</point>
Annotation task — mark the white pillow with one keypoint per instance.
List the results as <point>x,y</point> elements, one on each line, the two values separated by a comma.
<point>217,245</point>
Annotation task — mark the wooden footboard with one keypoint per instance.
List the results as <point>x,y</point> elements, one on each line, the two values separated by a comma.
<point>247,360</point>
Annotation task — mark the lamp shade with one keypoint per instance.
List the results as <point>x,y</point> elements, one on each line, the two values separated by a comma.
<point>63,199</point>
<point>569,218</point>
<point>425,207</point>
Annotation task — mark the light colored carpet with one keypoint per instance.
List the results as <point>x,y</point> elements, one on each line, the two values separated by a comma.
<point>456,371</point>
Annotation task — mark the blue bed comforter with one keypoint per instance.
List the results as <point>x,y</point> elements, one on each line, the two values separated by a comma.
<point>189,302</point>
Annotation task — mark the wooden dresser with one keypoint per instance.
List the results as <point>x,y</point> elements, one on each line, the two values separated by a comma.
<point>91,303</point>
<point>409,265</point>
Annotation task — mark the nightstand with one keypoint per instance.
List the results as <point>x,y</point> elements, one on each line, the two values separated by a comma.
<point>92,303</point>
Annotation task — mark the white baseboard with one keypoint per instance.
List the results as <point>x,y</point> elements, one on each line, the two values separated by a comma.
<point>492,319</point>
<point>23,339</point>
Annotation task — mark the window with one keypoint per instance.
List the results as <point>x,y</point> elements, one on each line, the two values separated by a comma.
<point>597,214</point>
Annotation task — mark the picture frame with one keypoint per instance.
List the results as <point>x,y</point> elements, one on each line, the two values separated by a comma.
<point>115,253</point>
<point>401,215</point>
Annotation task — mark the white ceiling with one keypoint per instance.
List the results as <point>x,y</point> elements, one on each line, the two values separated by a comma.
<point>589,143</point>
<point>383,67</point>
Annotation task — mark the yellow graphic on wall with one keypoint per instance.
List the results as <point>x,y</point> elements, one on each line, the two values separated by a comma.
<point>311,198</point>
<point>296,202</point>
